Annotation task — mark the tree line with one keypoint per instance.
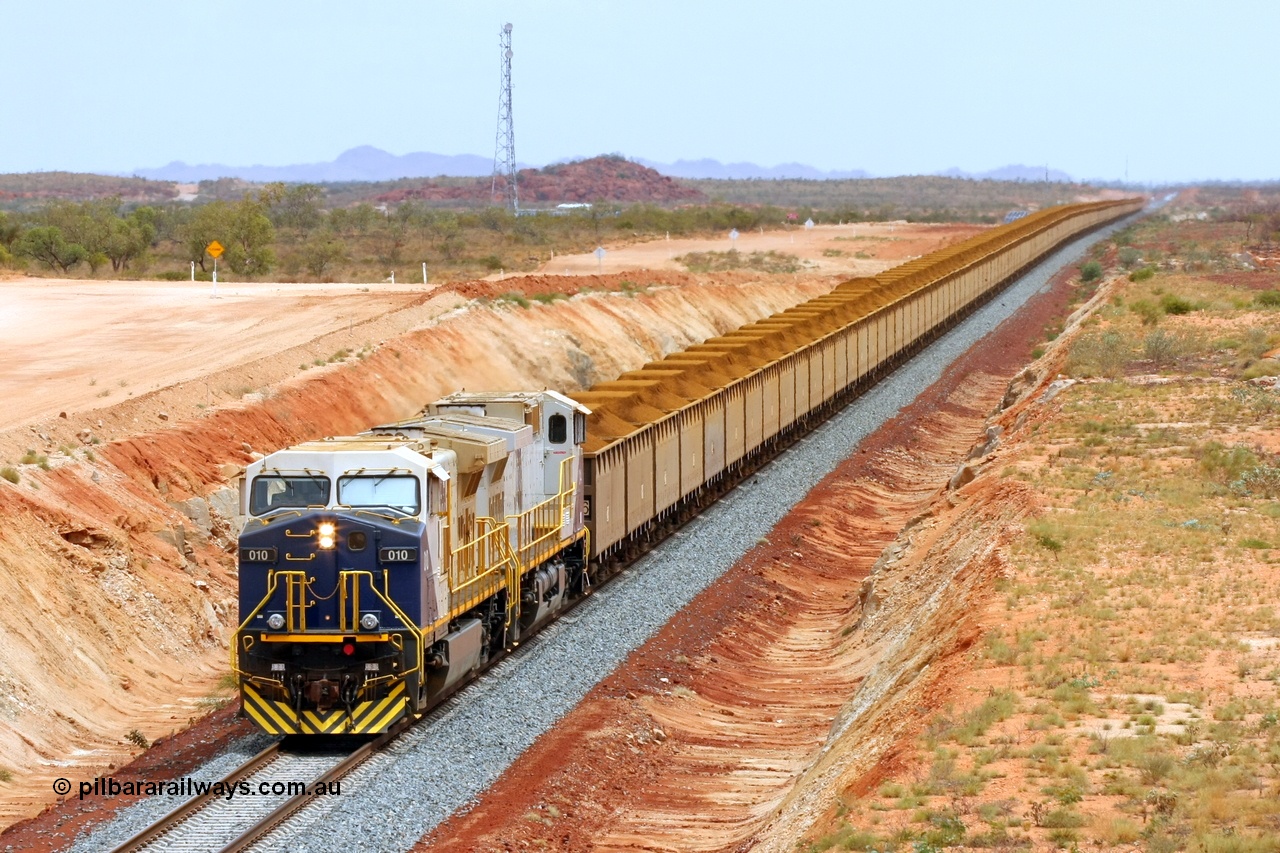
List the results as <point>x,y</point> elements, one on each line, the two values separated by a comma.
<point>287,231</point>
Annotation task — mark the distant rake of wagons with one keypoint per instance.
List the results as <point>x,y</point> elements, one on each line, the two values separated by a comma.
<point>378,572</point>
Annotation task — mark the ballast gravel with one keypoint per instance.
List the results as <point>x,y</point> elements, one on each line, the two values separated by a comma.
<point>394,798</point>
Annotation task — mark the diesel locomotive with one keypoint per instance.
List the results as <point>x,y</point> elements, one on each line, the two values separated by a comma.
<point>378,571</point>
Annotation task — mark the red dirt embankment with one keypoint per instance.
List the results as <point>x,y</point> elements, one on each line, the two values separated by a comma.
<point>790,674</point>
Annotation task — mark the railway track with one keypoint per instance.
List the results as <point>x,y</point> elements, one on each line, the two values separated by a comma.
<point>268,789</point>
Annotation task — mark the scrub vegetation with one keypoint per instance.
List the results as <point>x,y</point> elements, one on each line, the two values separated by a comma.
<point>1127,690</point>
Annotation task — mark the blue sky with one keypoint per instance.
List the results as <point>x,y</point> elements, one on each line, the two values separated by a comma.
<point>1179,90</point>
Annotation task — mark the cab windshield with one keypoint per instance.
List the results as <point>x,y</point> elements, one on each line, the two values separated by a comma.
<point>390,491</point>
<point>276,492</point>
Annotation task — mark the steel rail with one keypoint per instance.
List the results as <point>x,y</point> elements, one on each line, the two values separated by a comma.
<point>198,802</point>
<point>285,810</point>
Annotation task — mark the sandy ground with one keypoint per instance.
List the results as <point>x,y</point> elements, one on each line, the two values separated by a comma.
<point>829,249</point>
<point>71,345</point>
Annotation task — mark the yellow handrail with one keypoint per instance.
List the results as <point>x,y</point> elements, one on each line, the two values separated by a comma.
<point>538,528</point>
<point>476,568</point>
<point>272,582</point>
<point>353,576</point>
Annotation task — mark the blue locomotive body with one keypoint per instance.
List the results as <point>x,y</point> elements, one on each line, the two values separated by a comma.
<point>379,571</point>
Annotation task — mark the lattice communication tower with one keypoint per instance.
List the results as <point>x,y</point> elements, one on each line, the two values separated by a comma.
<point>504,154</point>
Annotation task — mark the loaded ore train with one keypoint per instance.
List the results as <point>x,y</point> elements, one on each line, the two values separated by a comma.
<point>378,572</point>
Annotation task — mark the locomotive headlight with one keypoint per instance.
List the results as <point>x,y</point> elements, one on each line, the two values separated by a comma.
<point>328,534</point>
<point>275,621</point>
<point>369,621</point>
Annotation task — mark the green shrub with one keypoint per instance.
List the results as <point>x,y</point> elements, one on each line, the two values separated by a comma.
<point>11,474</point>
<point>947,830</point>
<point>1091,271</point>
<point>1225,464</point>
<point>1175,305</point>
<point>766,262</point>
<point>1098,354</point>
<point>1063,819</point>
<point>1148,311</point>
<point>1142,274</point>
<point>1160,347</point>
<point>1268,299</point>
<point>1263,480</point>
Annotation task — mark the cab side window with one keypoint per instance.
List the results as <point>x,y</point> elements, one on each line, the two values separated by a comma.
<point>557,429</point>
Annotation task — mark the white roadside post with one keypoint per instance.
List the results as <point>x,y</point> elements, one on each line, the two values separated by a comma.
<point>215,249</point>
<point>193,270</point>
<point>733,240</point>
<point>424,272</point>
<point>599,253</point>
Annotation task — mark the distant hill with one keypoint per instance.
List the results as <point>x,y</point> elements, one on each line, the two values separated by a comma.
<point>708,168</point>
<point>1015,172</point>
<point>33,189</point>
<point>367,163</point>
<point>608,178</point>
<point>364,163</point>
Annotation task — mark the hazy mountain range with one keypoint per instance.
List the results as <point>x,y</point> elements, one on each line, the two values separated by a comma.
<point>367,163</point>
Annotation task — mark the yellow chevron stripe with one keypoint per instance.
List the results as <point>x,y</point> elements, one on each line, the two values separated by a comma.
<point>370,711</point>
<point>370,717</point>
<point>368,714</point>
<point>365,710</point>
<point>327,724</point>
<point>267,714</point>
<point>383,723</point>
<point>264,713</point>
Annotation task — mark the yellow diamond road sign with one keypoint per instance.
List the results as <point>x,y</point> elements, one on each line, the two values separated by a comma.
<point>214,249</point>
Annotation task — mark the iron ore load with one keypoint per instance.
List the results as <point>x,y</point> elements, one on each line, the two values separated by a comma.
<point>379,572</point>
